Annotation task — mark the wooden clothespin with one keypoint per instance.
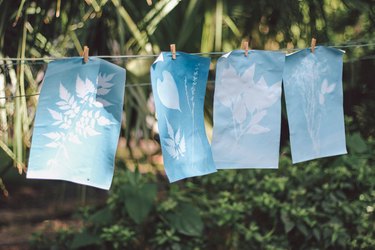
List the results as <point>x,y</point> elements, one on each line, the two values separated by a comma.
<point>85,54</point>
<point>173,50</point>
<point>313,44</point>
<point>245,45</point>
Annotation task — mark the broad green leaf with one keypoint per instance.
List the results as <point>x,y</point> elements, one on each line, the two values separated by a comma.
<point>139,200</point>
<point>303,229</point>
<point>356,143</point>
<point>102,217</point>
<point>316,233</point>
<point>288,223</point>
<point>186,220</point>
<point>84,239</point>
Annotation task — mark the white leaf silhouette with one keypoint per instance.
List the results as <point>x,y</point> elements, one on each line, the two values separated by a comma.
<point>55,115</point>
<point>103,91</point>
<point>92,123</point>
<point>262,82</point>
<point>257,129</point>
<point>104,102</point>
<point>168,92</point>
<point>98,104</point>
<point>275,92</point>
<point>321,99</point>
<point>230,86</point>
<point>56,123</point>
<point>90,131</point>
<point>325,89</point>
<point>64,94</point>
<point>330,88</point>
<point>169,129</point>
<point>65,107</point>
<point>249,73</point>
<point>74,138</point>
<point>182,146</point>
<point>324,86</point>
<point>172,151</point>
<point>224,98</point>
<point>53,135</point>
<point>64,126</point>
<point>84,88</point>
<point>102,121</point>
<point>90,88</point>
<point>239,112</point>
<point>61,103</point>
<point>105,85</point>
<point>177,137</point>
<point>257,117</point>
<point>175,144</point>
<point>169,142</point>
<point>53,145</point>
<point>71,100</point>
<point>259,96</point>
<point>80,88</point>
<point>103,80</point>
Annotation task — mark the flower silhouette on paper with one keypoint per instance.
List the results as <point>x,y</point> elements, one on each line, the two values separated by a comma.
<point>247,99</point>
<point>78,115</point>
<point>175,143</point>
<point>307,77</point>
<point>324,90</point>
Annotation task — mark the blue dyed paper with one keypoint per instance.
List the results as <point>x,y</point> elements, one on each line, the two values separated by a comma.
<point>314,102</point>
<point>179,88</point>
<point>77,122</point>
<point>247,110</point>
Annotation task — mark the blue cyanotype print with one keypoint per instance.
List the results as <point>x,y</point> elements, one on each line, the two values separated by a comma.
<point>314,102</point>
<point>77,123</point>
<point>247,110</point>
<point>179,88</point>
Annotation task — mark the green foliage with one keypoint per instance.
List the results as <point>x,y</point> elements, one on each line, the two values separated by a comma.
<point>83,239</point>
<point>186,220</point>
<point>61,240</point>
<point>325,204</point>
<point>118,236</point>
<point>138,200</point>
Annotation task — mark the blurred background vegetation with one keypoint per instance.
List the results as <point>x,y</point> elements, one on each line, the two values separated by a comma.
<point>322,204</point>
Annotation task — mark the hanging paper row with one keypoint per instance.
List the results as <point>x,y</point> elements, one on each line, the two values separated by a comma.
<point>78,118</point>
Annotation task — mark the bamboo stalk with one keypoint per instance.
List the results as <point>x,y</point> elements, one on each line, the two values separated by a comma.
<point>218,24</point>
<point>3,113</point>
<point>24,118</point>
<point>17,117</point>
<point>20,166</point>
<point>3,188</point>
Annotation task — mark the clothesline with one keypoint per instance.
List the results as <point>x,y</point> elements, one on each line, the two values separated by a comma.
<point>32,61</point>
<point>36,94</point>
<point>149,84</point>
<point>156,55</point>
<point>143,84</point>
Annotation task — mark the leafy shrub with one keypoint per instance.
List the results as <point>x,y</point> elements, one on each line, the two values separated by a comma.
<point>322,204</point>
